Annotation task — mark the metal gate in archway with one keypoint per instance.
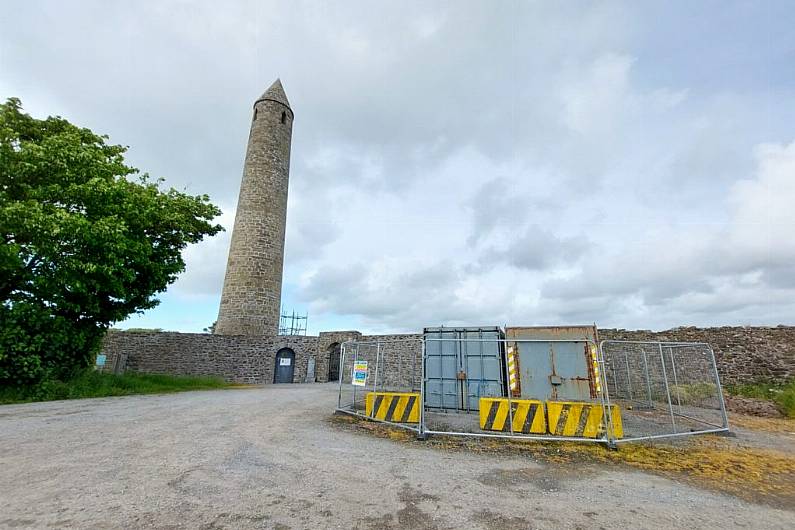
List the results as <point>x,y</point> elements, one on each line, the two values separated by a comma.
<point>284,370</point>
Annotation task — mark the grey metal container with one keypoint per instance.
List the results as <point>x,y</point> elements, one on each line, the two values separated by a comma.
<point>557,364</point>
<point>462,365</point>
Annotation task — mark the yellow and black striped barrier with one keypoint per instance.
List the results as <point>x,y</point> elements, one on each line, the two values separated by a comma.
<point>397,407</point>
<point>571,418</point>
<point>528,415</point>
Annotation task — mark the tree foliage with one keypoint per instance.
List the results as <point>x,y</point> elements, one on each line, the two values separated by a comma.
<point>87,241</point>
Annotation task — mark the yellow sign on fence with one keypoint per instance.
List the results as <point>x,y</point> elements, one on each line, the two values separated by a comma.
<point>359,376</point>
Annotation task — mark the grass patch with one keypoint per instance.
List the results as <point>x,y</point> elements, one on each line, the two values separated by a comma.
<point>694,394</point>
<point>92,384</point>
<point>783,395</point>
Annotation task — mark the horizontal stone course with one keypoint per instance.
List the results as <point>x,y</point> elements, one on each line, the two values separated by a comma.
<point>742,354</point>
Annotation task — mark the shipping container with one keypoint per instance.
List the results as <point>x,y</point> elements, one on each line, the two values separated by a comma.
<point>556,365</point>
<point>462,365</point>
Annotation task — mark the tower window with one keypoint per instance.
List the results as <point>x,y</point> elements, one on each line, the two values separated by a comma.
<point>255,115</point>
<point>284,116</point>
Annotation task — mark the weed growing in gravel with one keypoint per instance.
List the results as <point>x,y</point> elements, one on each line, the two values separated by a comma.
<point>782,395</point>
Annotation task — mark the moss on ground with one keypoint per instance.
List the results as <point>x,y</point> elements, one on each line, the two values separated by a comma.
<point>709,462</point>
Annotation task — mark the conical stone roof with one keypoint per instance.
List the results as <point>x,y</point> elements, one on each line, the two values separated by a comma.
<point>275,93</point>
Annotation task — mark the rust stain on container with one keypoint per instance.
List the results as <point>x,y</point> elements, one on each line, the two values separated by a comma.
<point>557,363</point>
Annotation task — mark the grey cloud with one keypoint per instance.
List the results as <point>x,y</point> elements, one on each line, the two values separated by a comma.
<point>538,249</point>
<point>406,298</point>
<point>557,120</point>
<point>489,208</point>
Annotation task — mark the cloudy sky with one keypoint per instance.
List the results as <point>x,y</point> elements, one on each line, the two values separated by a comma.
<point>625,163</point>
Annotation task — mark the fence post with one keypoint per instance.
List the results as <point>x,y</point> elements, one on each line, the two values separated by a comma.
<point>719,388</point>
<point>648,379</point>
<point>353,387</point>
<point>421,428</point>
<point>607,412</point>
<point>676,380</point>
<point>629,377</point>
<point>340,374</point>
<point>667,391</point>
<point>375,375</point>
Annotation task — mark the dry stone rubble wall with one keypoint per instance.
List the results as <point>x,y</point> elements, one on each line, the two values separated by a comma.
<point>742,353</point>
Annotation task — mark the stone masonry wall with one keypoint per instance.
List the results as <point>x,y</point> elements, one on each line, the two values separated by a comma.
<point>326,342</point>
<point>742,353</point>
<point>400,362</point>
<point>237,359</point>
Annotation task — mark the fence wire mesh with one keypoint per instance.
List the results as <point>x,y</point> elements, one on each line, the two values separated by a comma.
<point>389,389</point>
<point>664,389</point>
<point>614,392</point>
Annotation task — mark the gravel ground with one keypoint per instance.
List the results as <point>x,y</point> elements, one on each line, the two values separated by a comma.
<point>268,458</point>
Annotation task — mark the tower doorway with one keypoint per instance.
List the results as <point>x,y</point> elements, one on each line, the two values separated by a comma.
<point>334,362</point>
<point>285,366</point>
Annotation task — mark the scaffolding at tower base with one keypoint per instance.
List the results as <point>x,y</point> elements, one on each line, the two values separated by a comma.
<point>293,324</point>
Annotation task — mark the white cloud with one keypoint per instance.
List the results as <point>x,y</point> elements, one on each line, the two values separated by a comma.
<point>463,162</point>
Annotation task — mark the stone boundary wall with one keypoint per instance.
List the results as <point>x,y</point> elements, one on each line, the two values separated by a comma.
<point>743,354</point>
<point>328,340</point>
<point>237,359</point>
<point>400,362</point>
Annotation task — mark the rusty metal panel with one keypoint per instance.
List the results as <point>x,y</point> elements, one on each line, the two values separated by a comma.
<point>553,370</point>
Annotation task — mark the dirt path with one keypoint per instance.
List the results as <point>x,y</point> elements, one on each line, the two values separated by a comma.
<point>269,458</point>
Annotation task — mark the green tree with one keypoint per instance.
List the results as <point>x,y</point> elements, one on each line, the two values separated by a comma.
<point>87,241</point>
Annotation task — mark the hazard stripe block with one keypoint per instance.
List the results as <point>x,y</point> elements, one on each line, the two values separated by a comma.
<point>528,415</point>
<point>571,418</point>
<point>397,407</point>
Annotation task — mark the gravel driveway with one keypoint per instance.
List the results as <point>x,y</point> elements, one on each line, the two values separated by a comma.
<point>268,458</point>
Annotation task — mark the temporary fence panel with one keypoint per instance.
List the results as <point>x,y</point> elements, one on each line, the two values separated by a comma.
<point>462,365</point>
<point>637,390</point>
<point>381,380</point>
<point>664,389</point>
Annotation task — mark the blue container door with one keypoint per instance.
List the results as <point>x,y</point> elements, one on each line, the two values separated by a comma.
<point>464,367</point>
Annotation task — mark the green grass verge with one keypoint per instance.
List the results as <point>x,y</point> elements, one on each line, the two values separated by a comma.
<point>91,384</point>
<point>783,395</point>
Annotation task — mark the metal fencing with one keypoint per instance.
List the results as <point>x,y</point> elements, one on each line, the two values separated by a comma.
<point>381,381</point>
<point>573,390</point>
<point>664,389</point>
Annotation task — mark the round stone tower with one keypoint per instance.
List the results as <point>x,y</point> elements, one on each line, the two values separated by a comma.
<point>253,284</point>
